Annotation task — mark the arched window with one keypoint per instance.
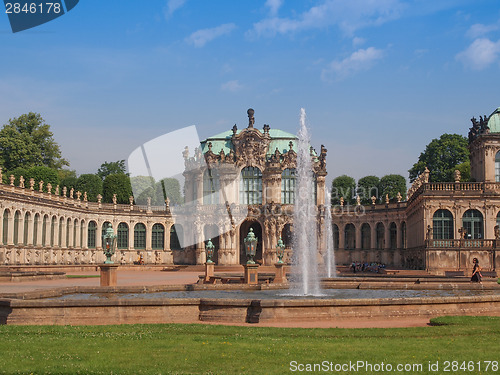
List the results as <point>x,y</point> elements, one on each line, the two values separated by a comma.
<point>17,220</point>
<point>52,231</point>
<point>350,236</point>
<point>61,223</point>
<point>211,186</point>
<point>473,224</point>
<point>288,186</point>
<point>366,236</point>
<point>157,236</point>
<point>380,229</point>
<point>286,235</point>
<point>497,167</point>
<point>442,225</point>
<point>35,229</point>
<point>5,226</point>
<point>75,226</point>
<point>251,186</point>
<point>91,235</point>
<point>175,233</point>
<point>44,230</point>
<point>27,217</point>
<point>335,236</point>
<point>139,236</point>
<point>122,236</point>
<point>393,234</point>
<point>403,235</point>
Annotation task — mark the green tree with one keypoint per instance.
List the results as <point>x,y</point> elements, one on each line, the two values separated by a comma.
<point>143,187</point>
<point>391,185</point>
<point>343,186</point>
<point>441,156</point>
<point>464,169</point>
<point>172,190</point>
<point>90,183</point>
<point>26,141</point>
<point>69,182</point>
<point>118,184</point>
<point>45,174</point>
<point>368,187</point>
<point>17,172</point>
<point>114,167</point>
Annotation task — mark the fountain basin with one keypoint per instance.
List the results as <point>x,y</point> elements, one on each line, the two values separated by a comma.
<point>56,308</point>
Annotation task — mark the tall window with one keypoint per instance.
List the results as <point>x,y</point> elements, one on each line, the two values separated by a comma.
<point>157,236</point>
<point>5,226</point>
<point>393,238</point>
<point>211,186</point>
<point>403,235</point>
<point>44,230</point>
<point>140,236</point>
<point>61,224</point>
<point>122,236</point>
<point>350,237</point>
<point>473,223</point>
<point>91,234</point>
<point>380,230</point>
<point>17,220</point>
<point>442,225</point>
<point>288,186</point>
<point>366,236</point>
<point>335,236</point>
<point>175,233</point>
<point>35,229</point>
<point>497,167</point>
<point>251,186</point>
<point>27,217</point>
<point>53,231</point>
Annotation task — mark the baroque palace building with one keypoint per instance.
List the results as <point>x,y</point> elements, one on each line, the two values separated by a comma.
<point>245,178</point>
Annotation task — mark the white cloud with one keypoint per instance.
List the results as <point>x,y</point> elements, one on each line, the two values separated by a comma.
<point>274,6</point>
<point>480,54</point>
<point>478,30</point>
<point>362,59</point>
<point>231,86</point>
<point>348,15</point>
<point>172,6</point>
<point>358,41</point>
<point>201,37</point>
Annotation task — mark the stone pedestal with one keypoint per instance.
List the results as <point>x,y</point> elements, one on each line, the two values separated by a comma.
<point>108,274</point>
<point>251,274</point>
<point>279,273</point>
<point>209,271</point>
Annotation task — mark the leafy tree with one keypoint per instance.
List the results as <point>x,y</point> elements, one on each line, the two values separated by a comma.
<point>143,187</point>
<point>464,169</point>
<point>441,156</point>
<point>343,186</point>
<point>90,183</point>
<point>66,173</point>
<point>172,190</point>
<point>368,187</point>
<point>69,182</point>
<point>17,172</point>
<point>114,167</point>
<point>45,174</point>
<point>26,141</point>
<point>391,185</point>
<point>118,184</point>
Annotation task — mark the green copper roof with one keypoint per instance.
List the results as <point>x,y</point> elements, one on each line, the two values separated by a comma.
<point>494,121</point>
<point>279,139</point>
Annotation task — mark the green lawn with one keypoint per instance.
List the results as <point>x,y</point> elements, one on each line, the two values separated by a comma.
<point>209,349</point>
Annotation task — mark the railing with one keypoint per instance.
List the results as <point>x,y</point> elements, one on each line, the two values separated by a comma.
<point>462,244</point>
<point>453,186</point>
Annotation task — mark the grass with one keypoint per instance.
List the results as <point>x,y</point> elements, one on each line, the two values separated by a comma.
<point>210,349</point>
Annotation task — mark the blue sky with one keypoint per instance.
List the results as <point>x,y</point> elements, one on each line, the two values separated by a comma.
<point>378,78</point>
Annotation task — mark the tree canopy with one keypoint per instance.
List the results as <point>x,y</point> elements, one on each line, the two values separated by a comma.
<point>345,187</point>
<point>114,167</point>
<point>368,186</point>
<point>90,183</point>
<point>391,185</point>
<point>442,156</point>
<point>118,184</point>
<point>26,141</point>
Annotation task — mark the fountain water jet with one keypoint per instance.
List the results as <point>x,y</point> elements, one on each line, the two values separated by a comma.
<point>305,275</point>
<point>331,270</point>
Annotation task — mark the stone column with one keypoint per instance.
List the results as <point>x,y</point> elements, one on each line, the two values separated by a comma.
<point>399,237</point>
<point>199,188</point>
<point>10,229</point>
<point>341,236</point>
<point>149,235</point>
<point>20,230</point>
<point>56,234</point>
<point>98,236</point>
<point>85,236</point>
<point>387,235</point>
<point>30,231</point>
<point>63,234</point>
<point>70,230</point>
<point>131,236</point>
